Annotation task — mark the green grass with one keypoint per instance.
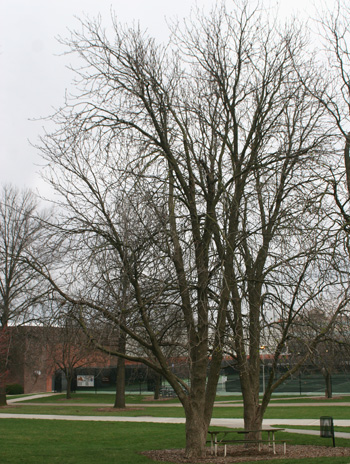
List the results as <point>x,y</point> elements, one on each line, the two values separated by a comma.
<point>94,411</point>
<point>297,412</point>
<point>338,399</point>
<point>102,398</point>
<point>42,441</point>
<point>313,427</point>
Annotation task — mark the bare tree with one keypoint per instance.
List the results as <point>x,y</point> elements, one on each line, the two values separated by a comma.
<point>208,148</point>
<point>331,354</point>
<point>68,347</point>
<point>331,88</point>
<point>21,288</point>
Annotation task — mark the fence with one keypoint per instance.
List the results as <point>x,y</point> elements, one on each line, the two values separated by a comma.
<point>142,380</point>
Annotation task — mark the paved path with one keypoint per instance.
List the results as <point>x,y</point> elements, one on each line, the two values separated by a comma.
<point>172,405</point>
<point>231,423</point>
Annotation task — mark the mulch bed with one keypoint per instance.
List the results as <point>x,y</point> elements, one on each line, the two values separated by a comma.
<point>239,453</point>
<point>118,409</point>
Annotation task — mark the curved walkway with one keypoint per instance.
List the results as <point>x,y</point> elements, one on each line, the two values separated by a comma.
<point>231,423</point>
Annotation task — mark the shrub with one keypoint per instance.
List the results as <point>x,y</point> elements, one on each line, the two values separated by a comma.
<point>14,389</point>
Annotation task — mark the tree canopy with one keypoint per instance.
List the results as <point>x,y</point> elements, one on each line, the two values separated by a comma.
<point>196,172</point>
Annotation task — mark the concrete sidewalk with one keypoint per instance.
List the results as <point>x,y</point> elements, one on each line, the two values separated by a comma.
<point>29,397</point>
<point>230,423</point>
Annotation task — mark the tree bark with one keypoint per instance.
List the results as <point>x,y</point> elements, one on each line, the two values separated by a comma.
<point>253,416</point>
<point>328,381</point>
<point>120,381</point>
<point>3,401</point>
<point>196,431</point>
<point>157,384</point>
<point>120,385</point>
<point>69,377</point>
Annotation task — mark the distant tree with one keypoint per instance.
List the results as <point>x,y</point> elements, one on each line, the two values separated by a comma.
<point>68,347</point>
<point>331,354</point>
<point>21,287</point>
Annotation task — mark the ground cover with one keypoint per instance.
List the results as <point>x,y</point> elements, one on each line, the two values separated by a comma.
<point>98,398</point>
<point>92,410</point>
<point>105,398</point>
<point>297,412</point>
<point>316,399</point>
<point>41,441</point>
<point>313,427</point>
<point>273,412</point>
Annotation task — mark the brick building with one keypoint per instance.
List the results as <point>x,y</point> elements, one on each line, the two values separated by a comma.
<point>33,360</point>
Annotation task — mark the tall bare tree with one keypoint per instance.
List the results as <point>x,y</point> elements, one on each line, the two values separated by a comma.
<point>21,288</point>
<point>332,89</point>
<point>206,149</point>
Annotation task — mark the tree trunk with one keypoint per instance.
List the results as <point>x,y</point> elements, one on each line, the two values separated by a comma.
<point>120,382</point>
<point>196,432</point>
<point>252,410</point>
<point>120,385</point>
<point>69,377</point>
<point>157,384</point>
<point>328,381</point>
<point>3,401</point>
<point>253,421</point>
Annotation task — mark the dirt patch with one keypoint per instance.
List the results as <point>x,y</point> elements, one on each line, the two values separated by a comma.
<point>240,453</point>
<point>159,400</point>
<point>118,409</point>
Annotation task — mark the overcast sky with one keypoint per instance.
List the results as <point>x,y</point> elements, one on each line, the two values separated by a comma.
<point>34,74</point>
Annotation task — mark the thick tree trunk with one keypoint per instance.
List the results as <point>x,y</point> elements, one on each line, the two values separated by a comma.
<point>196,432</point>
<point>252,410</point>
<point>252,421</point>
<point>199,403</point>
<point>120,385</point>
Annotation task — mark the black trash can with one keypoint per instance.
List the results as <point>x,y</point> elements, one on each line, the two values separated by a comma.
<point>327,428</point>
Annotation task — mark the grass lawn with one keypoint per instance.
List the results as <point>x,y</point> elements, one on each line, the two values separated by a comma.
<point>40,441</point>
<point>320,400</point>
<point>43,441</point>
<point>105,398</point>
<point>87,398</point>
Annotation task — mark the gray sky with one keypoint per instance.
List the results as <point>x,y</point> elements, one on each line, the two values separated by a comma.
<point>33,72</point>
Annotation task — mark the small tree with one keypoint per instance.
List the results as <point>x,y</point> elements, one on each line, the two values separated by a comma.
<point>68,348</point>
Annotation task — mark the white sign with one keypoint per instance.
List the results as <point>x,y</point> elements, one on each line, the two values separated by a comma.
<point>85,381</point>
